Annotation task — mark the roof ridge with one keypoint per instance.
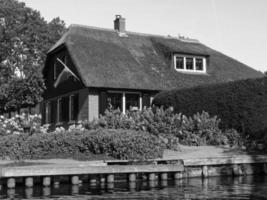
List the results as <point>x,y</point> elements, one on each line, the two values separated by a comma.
<point>182,39</point>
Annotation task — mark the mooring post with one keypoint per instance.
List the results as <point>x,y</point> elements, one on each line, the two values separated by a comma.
<point>132,185</point>
<point>152,177</point>
<point>74,189</point>
<point>110,178</point>
<point>46,181</point>
<point>164,176</point>
<point>11,193</point>
<point>205,172</point>
<point>29,182</point>
<point>75,180</point>
<point>110,185</point>
<point>28,192</point>
<point>131,177</point>
<point>11,183</point>
<point>46,191</point>
<point>163,183</point>
<point>151,183</point>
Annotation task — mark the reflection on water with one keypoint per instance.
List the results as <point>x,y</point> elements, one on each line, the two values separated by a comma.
<point>213,188</point>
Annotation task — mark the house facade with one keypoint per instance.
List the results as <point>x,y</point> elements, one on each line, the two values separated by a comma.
<point>91,69</point>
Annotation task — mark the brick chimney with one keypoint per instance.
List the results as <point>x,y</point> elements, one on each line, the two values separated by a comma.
<point>119,24</point>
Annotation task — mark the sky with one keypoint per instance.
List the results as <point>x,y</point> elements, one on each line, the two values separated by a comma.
<point>237,28</point>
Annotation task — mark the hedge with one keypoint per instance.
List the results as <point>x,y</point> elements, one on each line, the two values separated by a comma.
<point>119,144</point>
<point>241,105</point>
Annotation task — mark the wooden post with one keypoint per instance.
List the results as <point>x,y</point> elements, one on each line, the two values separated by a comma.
<point>205,172</point>
<point>132,177</point>
<point>110,185</point>
<point>110,178</point>
<point>152,184</point>
<point>132,185</point>
<point>151,177</point>
<point>46,191</point>
<point>11,183</point>
<point>75,180</point>
<point>164,183</point>
<point>29,192</point>
<point>46,181</point>
<point>29,182</point>
<point>74,189</point>
<point>164,176</point>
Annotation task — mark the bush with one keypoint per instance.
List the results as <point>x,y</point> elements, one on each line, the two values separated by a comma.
<point>119,144</point>
<point>241,105</point>
<point>200,129</point>
<point>16,124</point>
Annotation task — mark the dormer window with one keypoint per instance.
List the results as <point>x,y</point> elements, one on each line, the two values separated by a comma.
<point>190,63</point>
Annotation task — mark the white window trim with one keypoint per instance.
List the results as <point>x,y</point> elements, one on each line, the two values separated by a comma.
<point>124,98</point>
<point>194,64</point>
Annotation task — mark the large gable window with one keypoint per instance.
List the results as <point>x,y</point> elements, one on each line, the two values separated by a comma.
<point>190,63</point>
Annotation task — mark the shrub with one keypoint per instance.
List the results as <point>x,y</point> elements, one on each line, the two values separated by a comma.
<point>16,124</point>
<point>241,105</point>
<point>200,129</point>
<point>120,144</point>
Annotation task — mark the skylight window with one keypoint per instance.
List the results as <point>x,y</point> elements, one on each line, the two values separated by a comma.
<point>189,63</point>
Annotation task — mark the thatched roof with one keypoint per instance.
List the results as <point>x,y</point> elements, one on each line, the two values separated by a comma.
<point>139,61</point>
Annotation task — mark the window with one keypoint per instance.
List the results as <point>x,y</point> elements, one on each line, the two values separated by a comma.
<point>114,101</point>
<point>124,100</point>
<point>132,101</point>
<point>179,63</point>
<point>48,112</point>
<point>59,109</point>
<point>199,64</point>
<point>74,107</point>
<point>65,109</point>
<point>189,63</point>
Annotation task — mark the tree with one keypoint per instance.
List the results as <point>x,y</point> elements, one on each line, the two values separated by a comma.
<point>25,37</point>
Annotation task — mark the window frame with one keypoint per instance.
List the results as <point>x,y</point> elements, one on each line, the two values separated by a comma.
<point>124,98</point>
<point>194,57</point>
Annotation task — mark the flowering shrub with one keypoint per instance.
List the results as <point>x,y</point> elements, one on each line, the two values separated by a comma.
<point>18,123</point>
<point>200,129</point>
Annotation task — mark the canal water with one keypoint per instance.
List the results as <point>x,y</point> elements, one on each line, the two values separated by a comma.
<point>248,187</point>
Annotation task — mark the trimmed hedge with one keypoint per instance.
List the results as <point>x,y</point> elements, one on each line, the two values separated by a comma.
<point>241,105</point>
<point>119,144</point>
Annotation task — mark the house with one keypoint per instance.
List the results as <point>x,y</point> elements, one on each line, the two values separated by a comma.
<point>91,68</point>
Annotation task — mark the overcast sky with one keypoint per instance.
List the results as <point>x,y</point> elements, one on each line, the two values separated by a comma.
<point>237,28</point>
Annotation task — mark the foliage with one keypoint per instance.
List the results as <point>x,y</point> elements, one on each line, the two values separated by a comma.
<point>241,105</point>
<point>25,37</point>
<point>200,129</point>
<point>119,144</point>
<point>16,124</point>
